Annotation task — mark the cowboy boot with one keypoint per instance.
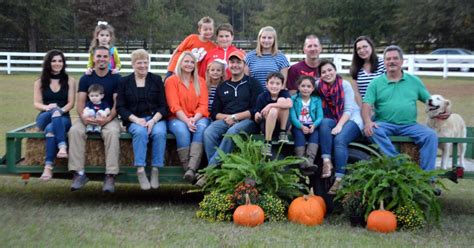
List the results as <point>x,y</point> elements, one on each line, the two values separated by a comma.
<point>311,151</point>
<point>299,152</point>
<point>195,155</point>
<point>183,155</point>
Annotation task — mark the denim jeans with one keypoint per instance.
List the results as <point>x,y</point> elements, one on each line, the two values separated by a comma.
<point>337,143</point>
<point>55,129</point>
<point>184,137</point>
<point>301,138</point>
<point>214,137</point>
<point>422,135</point>
<point>140,138</point>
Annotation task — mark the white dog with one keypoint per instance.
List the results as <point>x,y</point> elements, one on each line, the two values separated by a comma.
<point>446,124</point>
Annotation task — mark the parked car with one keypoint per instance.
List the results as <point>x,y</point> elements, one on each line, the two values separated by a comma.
<point>450,51</point>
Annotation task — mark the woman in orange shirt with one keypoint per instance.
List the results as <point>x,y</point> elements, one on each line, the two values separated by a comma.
<point>186,94</point>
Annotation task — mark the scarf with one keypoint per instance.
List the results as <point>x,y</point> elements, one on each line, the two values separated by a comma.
<point>332,97</point>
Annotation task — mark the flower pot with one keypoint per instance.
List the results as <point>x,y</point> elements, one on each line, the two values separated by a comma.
<point>357,221</point>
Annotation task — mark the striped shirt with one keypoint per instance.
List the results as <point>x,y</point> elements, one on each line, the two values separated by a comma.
<point>212,94</point>
<point>364,78</point>
<point>261,66</point>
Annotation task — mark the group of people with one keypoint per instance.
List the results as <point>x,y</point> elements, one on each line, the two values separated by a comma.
<point>213,90</point>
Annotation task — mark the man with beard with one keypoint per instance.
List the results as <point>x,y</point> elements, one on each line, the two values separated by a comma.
<point>232,110</point>
<point>110,125</point>
<point>309,66</point>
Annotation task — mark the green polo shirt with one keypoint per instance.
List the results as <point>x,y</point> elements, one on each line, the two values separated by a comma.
<point>395,101</point>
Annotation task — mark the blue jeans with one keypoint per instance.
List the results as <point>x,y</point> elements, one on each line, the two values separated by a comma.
<point>184,137</point>
<point>422,135</point>
<point>55,129</point>
<point>140,138</point>
<point>301,138</point>
<point>214,137</point>
<point>337,143</point>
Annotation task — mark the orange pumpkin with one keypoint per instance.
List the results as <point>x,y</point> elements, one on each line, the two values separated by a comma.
<point>248,214</point>
<point>319,199</point>
<point>382,220</point>
<point>306,210</point>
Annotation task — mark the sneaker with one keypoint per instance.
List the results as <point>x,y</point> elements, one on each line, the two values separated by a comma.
<point>327,168</point>
<point>89,129</point>
<point>143,180</point>
<point>78,181</point>
<point>109,184</point>
<point>97,129</point>
<point>335,187</point>
<point>267,150</point>
<point>283,138</point>
<point>201,181</point>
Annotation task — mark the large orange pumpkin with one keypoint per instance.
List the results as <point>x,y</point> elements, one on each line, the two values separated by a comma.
<point>306,210</point>
<point>319,199</point>
<point>248,214</point>
<point>382,220</point>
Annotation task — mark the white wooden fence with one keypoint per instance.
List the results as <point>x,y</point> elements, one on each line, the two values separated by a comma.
<point>426,65</point>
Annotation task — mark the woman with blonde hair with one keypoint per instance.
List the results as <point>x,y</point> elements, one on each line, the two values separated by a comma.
<point>187,97</point>
<point>141,104</point>
<point>266,58</point>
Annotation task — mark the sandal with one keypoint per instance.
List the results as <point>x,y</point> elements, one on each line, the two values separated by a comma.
<point>62,153</point>
<point>47,173</point>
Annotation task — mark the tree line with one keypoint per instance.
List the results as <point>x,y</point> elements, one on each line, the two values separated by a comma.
<point>164,23</point>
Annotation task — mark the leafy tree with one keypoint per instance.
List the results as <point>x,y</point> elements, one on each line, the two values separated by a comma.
<point>35,19</point>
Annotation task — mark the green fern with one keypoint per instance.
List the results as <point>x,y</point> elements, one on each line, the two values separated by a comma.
<point>397,181</point>
<point>272,177</point>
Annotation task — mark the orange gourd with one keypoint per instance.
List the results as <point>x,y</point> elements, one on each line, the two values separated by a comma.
<point>382,220</point>
<point>306,210</point>
<point>319,199</point>
<point>248,214</point>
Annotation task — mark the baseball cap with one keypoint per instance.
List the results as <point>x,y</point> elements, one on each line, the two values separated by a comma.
<point>239,54</point>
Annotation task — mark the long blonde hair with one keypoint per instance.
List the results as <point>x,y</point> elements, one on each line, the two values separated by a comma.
<point>208,77</point>
<point>98,28</point>
<point>275,40</point>
<point>195,75</point>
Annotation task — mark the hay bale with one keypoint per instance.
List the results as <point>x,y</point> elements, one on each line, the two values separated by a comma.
<point>35,153</point>
<point>95,155</point>
<point>411,150</point>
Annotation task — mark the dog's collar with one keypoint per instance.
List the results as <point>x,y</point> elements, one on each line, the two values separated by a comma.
<point>442,116</point>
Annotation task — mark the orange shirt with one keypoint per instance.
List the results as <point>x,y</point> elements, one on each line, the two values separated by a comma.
<point>194,44</point>
<point>181,98</point>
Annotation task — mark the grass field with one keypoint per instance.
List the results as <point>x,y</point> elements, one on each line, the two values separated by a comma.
<point>49,215</point>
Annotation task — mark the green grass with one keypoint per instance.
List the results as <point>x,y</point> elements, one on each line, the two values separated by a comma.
<point>48,214</point>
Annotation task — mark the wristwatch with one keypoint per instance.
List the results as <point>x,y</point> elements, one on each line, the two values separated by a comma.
<point>234,118</point>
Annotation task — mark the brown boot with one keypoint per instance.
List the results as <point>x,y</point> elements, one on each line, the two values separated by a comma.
<point>195,155</point>
<point>311,151</point>
<point>299,152</point>
<point>183,155</point>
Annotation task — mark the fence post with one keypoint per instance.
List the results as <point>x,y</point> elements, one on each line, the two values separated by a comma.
<point>445,66</point>
<point>9,70</point>
<point>337,62</point>
<point>411,64</point>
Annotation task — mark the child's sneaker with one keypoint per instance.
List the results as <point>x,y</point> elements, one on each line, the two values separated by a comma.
<point>89,129</point>
<point>283,138</point>
<point>267,149</point>
<point>97,129</point>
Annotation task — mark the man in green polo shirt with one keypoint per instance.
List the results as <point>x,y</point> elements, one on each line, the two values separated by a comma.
<point>393,97</point>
